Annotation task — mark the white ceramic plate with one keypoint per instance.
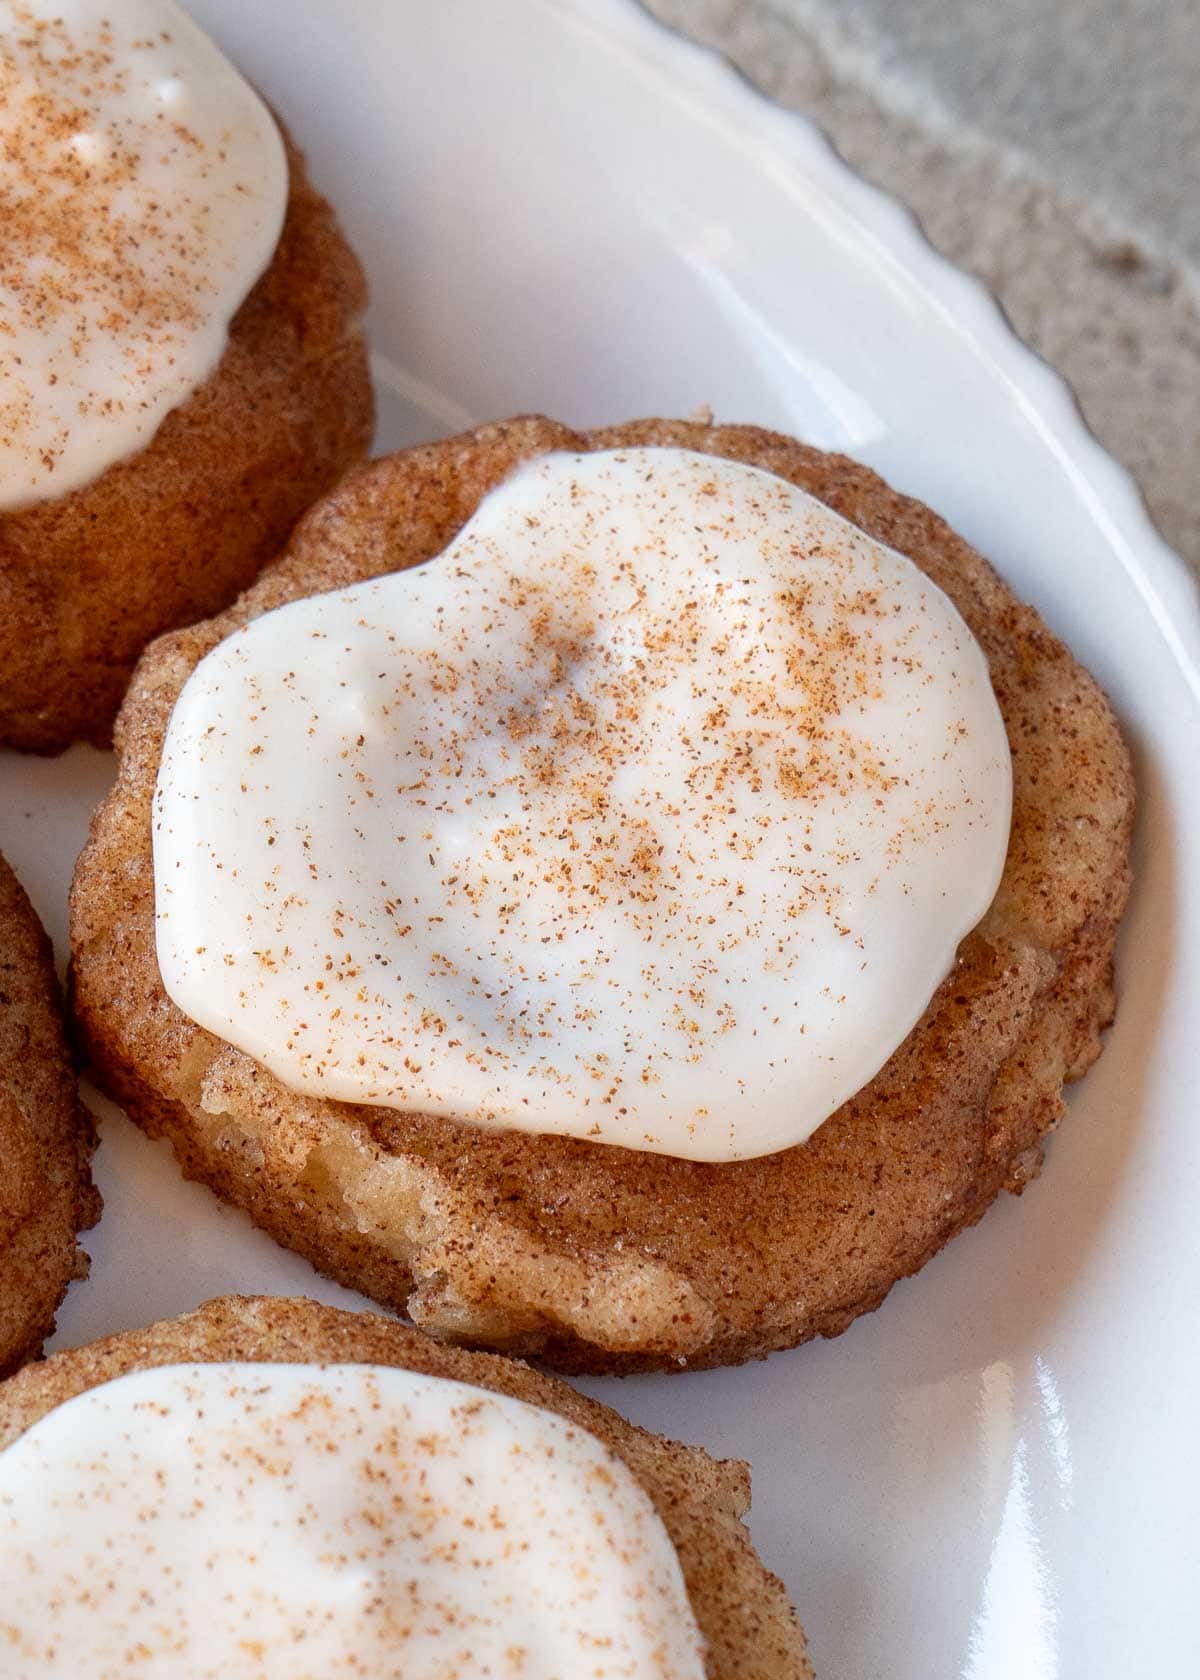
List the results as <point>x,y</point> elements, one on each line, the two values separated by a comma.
<point>563,207</point>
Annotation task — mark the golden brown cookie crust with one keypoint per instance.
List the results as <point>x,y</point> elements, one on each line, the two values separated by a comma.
<point>743,1611</point>
<point>173,532</point>
<point>46,1138</point>
<point>593,1257</point>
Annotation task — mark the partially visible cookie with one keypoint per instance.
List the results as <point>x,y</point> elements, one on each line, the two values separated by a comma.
<point>743,1612</point>
<point>46,1139</point>
<point>172,532</point>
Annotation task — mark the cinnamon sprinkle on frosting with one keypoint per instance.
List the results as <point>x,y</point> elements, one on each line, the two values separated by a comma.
<point>651,812</point>
<point>142,187</point>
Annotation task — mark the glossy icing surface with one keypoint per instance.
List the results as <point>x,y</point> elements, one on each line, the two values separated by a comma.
<point>651,812</point>
<point>144,185</point>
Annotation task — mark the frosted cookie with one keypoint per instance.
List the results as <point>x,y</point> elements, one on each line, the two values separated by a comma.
<point>46,1141</point>
<point>637,937</point>
<point>389,1501</point>
<point>183,369</point>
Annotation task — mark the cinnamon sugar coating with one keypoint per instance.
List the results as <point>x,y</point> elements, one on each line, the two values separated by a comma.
<point>592,1257</point>
<point>46,1139</point>
<point>173,532</point>
<point>743,1611</point>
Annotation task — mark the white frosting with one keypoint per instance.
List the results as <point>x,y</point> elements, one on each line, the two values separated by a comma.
<point>292,1522</point>
<point>652,811</point>
<point>144,186</point>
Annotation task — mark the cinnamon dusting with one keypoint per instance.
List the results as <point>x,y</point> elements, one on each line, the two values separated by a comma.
<point>116,246</point>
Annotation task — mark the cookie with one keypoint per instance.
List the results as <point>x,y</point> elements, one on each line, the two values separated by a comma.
<point>597,1258</point>
<point>171,531</point>
<point>46,1138</point>
<point>749,1628</point>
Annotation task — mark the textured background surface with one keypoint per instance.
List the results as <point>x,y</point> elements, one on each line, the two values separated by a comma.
<point>1052,147</point>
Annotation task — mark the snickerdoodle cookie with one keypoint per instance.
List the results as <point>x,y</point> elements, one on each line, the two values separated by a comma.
<point>570,1492</point>
<point>183,365</point>
<point>476,1219</point>
<point>46,1141</point>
